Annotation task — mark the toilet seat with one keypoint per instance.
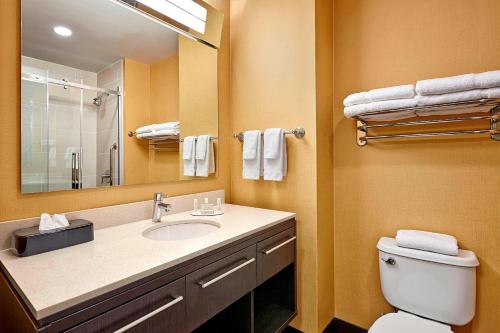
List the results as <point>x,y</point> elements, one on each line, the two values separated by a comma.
<point>403,322</point>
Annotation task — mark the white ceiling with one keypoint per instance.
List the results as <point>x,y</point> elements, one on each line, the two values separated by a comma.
<point>103,32</point>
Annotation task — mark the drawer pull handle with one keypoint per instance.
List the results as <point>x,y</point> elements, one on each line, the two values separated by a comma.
<point>204,284</point>
<point>149,315</point>
<point>271,250</point>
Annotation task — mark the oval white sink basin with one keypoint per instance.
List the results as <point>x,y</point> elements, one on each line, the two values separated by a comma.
<point>179,230</point>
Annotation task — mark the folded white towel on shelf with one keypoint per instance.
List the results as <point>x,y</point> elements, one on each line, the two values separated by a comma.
<point>488,79</point>
<point>189,155</point>
<point>275,155</point>
<point>358,110</point>
<point>427,241</point>
<point>252,155</point>
<point>491,93</point>
<point>166,132</point>
<point>165,126</point>
<point>145,129</point>
<point>391,93</point>
<point>205,161</point>
<point>356,98</point>
<point>396,115</point>
<point>446,85</point>
<point>462,96</point>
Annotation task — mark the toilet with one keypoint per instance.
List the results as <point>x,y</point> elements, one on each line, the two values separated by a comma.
<point>430,291</point>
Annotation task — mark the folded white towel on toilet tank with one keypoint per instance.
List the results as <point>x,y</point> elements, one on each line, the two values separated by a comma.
<point>427,241</point>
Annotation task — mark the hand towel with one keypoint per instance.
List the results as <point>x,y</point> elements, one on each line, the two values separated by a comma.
<point>390,93</point>
<point>252,155</point>
<point>427,241</point>
<point>357,98</point>
<point>251,140</point>
<point>275,159</point>
<point>488,80</point>
<point>491,93</point>
<point>462,96</point>
<point>446,85</point>
<point>188,155</point>
<point>205,159</point>
<point>359,110</point>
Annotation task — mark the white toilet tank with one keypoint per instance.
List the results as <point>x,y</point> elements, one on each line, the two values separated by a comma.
<point>431,285</point>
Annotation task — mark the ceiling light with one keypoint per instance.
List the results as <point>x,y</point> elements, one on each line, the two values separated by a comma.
<point>63,31</point>
<point>186,12</point>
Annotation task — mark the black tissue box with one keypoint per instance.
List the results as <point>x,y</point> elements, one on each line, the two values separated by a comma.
<point>30,241</point>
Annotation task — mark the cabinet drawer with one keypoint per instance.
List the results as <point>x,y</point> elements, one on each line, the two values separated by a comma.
<point>162,310</point>
<point>274,254</point>
<point>214,287</point>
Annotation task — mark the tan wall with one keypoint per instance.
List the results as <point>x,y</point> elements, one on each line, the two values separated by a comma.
<point>14,205</point>
<point>273,84</point>
<point>164,79</point>
<point>137,113</point>
<point>438,185</point>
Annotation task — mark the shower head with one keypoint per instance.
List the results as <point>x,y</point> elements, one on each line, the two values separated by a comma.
<point>97,101</point>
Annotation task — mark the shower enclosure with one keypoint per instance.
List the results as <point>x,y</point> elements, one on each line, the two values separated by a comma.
<point>70,127</point>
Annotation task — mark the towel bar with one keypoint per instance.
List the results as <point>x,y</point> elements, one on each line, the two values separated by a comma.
<point>299,133</point>
<point>363,126</point>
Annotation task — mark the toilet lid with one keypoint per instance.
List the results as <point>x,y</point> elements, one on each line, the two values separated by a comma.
<point>405,322</point>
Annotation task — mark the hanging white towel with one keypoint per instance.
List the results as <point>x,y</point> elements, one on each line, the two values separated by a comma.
<point>462,96</point>
<point>390,93</point>
<point>252,155</point>
<point>488,80</point>
<point>446,85</point>
<point>205,161</point>
<point>427,241</point>
<point>188,155</point>
<point>275,156</point>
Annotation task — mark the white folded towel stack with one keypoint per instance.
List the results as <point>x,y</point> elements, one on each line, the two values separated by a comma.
<point>462,96</point>
<point>427,241</point>
<point>487,80</point>
<point>446,85</point>
<point>156,130</point>
<point>275,156</point>
<point>390,93</point>
<point>383,99</point>
<point>189,155</point>
<point>252,155</point>
<point>205,159</point>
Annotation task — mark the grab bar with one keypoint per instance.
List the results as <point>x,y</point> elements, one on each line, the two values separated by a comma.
<point>112,150</point>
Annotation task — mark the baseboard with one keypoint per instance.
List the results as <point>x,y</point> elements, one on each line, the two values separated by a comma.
<point>339,326</point>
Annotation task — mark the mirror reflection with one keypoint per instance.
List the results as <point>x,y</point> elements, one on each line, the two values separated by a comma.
<point>108,95</point>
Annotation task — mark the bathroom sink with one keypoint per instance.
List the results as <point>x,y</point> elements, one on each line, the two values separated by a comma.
<point>181,229</point>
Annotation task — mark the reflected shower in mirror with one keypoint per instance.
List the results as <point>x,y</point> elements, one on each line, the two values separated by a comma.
<point>91,72</point>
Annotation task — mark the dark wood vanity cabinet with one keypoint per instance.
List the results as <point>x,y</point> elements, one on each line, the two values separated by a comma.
<point>245,286</point>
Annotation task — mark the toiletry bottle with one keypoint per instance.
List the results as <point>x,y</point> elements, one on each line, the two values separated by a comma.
<point>219,204</point>
<point>195,205</point>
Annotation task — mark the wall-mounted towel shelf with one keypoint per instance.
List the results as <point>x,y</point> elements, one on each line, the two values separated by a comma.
<point>164,143</point>
<point>299,133</point>
<point>458,112</point>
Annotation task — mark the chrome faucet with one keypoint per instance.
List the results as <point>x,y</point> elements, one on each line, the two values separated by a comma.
<point>158,206</point>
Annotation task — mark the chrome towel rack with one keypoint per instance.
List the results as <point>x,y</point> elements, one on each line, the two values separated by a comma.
<point>492,113</point>
<point>299,133</point>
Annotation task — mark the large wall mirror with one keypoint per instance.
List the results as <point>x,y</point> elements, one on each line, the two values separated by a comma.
<point>95,71</point>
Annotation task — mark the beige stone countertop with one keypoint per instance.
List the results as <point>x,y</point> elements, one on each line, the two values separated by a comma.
<point>56,280</point>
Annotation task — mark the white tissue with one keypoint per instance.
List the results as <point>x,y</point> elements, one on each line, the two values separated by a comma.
<point>60,220</point>
<point>46,223</point>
